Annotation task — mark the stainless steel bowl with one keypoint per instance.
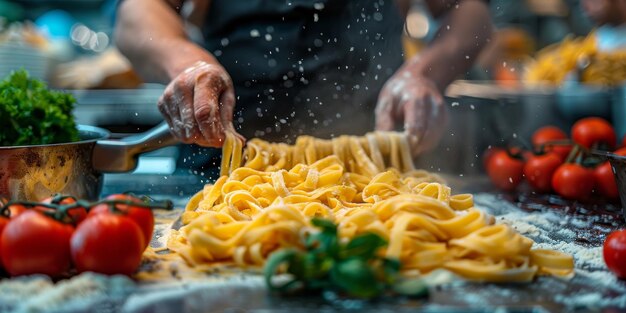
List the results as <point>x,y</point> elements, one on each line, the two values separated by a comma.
<point>39,171</point>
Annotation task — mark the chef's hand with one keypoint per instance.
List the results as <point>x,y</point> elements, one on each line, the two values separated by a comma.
<point>198,105</point>
<point>415,101</point>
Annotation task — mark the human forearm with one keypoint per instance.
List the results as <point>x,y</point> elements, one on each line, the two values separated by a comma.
<point>412,97</point>
<point>152,36</point>
<point>199,98</point>
<point>467,29</point>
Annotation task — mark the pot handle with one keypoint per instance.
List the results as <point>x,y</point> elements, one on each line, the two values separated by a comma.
<point>116,156</point>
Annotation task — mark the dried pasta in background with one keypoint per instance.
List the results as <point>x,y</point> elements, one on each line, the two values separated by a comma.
<point>554,63</point>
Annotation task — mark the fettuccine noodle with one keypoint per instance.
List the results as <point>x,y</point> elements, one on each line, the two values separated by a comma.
<point>364,184</point>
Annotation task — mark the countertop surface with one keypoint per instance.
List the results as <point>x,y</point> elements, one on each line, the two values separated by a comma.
<point>553,223</point>
<point>574,228</point>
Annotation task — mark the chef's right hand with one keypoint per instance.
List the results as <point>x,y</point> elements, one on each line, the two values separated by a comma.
<point>198,105</point>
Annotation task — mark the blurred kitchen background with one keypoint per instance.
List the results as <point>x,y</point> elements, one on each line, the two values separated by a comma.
<point>515,87</point>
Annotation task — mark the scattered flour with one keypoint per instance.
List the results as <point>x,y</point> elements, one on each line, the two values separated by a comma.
<point>566,233</point>
<point>541,226</point>
<point>161,234</point>
<point>213,290</point>
<point>40,294</point>
<point>578,223</point>
<point>593,300</point>
<point>602,279</point>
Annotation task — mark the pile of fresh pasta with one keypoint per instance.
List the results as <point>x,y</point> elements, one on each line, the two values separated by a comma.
<point>268,194</point>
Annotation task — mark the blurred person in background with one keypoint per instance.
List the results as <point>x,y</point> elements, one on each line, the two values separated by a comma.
<point>610,16</point>
<point>297,67</point>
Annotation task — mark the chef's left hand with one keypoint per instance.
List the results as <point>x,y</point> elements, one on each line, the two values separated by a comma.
<point>415,101</point>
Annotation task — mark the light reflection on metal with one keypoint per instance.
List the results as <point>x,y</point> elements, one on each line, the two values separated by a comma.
<point>88,39</point>
<point>417,25</point>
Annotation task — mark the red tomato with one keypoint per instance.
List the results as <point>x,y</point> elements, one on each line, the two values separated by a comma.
<point>573,181</point>
<point>605,181</point>
<point>3,223</point>
<point>593,130</point>
<point>620,151</point>
<point>615,253</point>
<point>33,243</point>
<point>141,215</point>
<point>108,244</point>
<point>518,152</point>
<point>539,169</point>
<point>16,209</point>
<point>505,171</point>
<point>624,142</point>
<point>489,153</point>
<point>549,134</point>
<point>77,214</point>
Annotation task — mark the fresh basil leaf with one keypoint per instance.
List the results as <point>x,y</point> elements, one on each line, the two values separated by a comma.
<point>390,270</point>
<point>363,246</point>
<point>325,225</point>
<point>355,277</point>
<point>297,266</point>
<point>353,268</point>
<point>325,242</point>
<point>275,260</point>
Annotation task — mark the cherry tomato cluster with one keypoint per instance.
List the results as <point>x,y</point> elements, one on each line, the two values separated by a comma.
<point>556,163</point>
<point>51,236</point>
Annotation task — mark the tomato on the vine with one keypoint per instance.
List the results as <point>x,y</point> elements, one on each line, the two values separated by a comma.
<point>504,170</point>
<point>3,223</point>
<point>539,169</point>
<point>620,151</point>
<point>33,243</point>
<point>140,214</point>
<point>605,181</point>
<point>573,181</point>
<point>489,153</point>
<point>614,253</point>
<point>108,244</point>
<point>593,130</point>
<point>549,134</point>
<point>16,209</point>
<point>77,214</point>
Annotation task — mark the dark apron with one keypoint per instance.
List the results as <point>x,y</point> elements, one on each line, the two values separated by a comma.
<point>305,67</point>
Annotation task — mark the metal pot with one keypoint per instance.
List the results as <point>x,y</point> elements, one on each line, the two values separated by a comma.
<point>39,171</point>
